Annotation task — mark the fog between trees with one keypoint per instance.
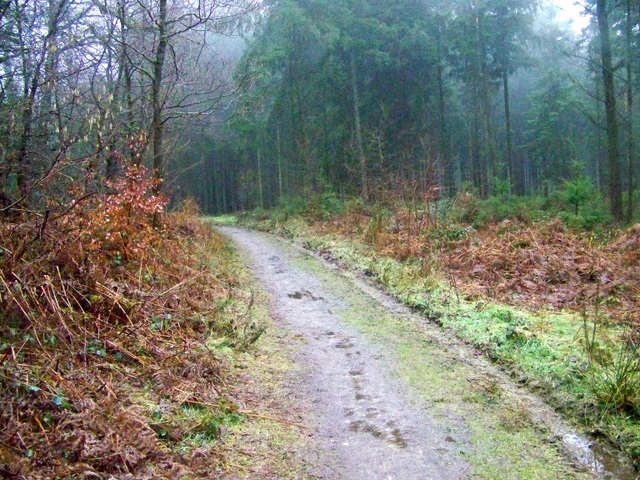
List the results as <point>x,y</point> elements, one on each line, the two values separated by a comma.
<point>249,104</point>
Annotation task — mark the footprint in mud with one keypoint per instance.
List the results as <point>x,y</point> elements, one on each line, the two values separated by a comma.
<point>372,412</point>
<point>344,343</point>
<point>389,433</point>
<point>304,294</point>
<point>361,397</point>
<point>357,385</point>
<point>277,264</point>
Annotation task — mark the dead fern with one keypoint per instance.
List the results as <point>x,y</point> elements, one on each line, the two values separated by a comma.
<point>106,319</point>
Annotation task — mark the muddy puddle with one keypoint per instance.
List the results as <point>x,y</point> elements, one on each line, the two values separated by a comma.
<point>399,401</point>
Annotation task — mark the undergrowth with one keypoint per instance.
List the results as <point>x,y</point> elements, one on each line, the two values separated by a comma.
<point>108,308</point>
<point>553,300</point>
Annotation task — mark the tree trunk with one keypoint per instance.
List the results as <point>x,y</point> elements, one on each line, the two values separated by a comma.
<point>279,154</point>
<point>301,142</point>
<point>47,107</point>
<point>487,154</point>
<point>362,160</point>
<point>613,148</point>
<point>449,171</point>
<point>32,80</point>
<point>629,111</point>
<point>507,117</point>
<point>490,155</point>
<point>126,69</point>
<point>260,187</point>
<point>157,123</point>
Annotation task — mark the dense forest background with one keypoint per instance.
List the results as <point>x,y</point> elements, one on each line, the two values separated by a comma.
<point>361,97</point>
<point>244,105</point>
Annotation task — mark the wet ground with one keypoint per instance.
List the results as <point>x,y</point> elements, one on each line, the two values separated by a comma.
<point>372,420</point>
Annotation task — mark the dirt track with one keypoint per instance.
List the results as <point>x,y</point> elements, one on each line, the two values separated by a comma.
<point>371,422</point>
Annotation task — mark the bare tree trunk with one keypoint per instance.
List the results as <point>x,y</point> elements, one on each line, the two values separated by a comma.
<point>362,160</point>
<point>50,73</point>
<point>22,158</point>
<point>449,170</point>
<point>615,187</point>
<point>260,187</point>
<point>490,160</point>
<point>279,153</point>
<point>157,123</point>
<point>126,69</point>
<point>507,117</point>
<point>487,155</point>
<point>629,110</point>
<point>31,75</point>
<point>301,141</point>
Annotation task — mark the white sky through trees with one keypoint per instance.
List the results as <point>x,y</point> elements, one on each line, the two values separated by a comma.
<point>570,11</point>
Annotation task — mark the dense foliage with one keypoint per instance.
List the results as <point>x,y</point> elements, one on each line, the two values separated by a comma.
<point>351,95</point>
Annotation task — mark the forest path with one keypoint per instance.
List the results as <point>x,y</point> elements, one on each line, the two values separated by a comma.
<point>397,400</point>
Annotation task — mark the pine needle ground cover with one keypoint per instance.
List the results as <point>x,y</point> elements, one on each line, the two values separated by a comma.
<point>556,306</point>
<point>120,326</point>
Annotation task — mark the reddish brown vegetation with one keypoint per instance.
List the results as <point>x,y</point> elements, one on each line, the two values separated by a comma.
<point>546,266</point>
<point>94,307</point>
<point>541,265</point>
